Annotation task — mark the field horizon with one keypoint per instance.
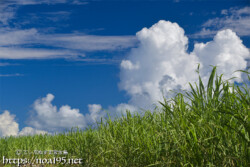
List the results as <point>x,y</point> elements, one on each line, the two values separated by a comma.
<point>206,126</point>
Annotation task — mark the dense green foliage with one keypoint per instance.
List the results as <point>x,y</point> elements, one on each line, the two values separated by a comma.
<point>207,126</point>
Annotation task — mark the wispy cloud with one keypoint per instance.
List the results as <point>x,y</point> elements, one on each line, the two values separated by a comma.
<point>5,64</point>
<point>12,37</point>
<point>22,44</point>
<point>76,41</point>
<point>7,12</point>
<point>89,42</point>
<point>41,17</point>
<point>36,2</point>
<point>79,2</point>
<point>30,53</point>
<point>16,43</point>
<point>11,75</point>
<point>8,8</point>
<point>236,19</point>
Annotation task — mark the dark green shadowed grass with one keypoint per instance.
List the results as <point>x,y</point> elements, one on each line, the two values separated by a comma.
<point>207,126</point>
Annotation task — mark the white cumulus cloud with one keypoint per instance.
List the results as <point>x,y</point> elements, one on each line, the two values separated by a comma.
<point>8,125</point>
<point>123,107</point>
<point>95,113</point>
<point>48,117</point>
<point>164,63</point>
<point>31,131</point>
<point>128,65</point>
<point>226,51</point>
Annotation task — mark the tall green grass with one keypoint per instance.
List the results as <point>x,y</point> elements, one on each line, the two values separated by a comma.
<point>207,126</point>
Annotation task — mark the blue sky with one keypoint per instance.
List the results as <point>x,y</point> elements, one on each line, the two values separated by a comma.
<point>72,59</point>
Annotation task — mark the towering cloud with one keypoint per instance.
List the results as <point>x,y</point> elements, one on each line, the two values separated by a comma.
<point>226,51</point>
<point>162,63</point>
